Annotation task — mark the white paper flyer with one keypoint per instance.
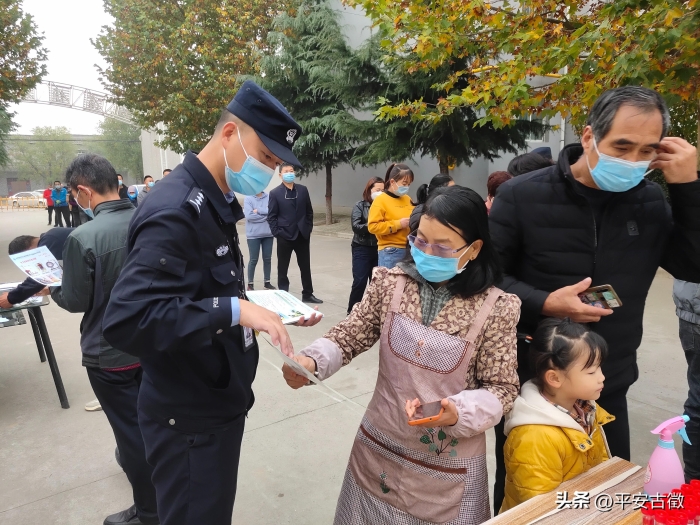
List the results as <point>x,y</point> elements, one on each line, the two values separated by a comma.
<point>289,308</point>
<point>40,265</point>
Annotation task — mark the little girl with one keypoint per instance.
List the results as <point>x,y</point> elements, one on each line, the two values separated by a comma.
<point>555,428</point>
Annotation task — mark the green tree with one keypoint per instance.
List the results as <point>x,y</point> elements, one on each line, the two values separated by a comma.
<point>540,56</point>
<point>310,57</point>
<point>22,62</point>
<point>6,127</point>
<point>120,143</point>
<point>451,140</point>
<point>176,63</point>
<point>45,156</point>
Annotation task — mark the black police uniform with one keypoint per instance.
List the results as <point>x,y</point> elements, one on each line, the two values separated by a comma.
<point>171,307</point>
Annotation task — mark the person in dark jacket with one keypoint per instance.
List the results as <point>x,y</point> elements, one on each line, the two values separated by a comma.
<point>77,215</point>
<point>291,219</point>
<point>54,241</point>
<point>424,191</point>
<point>180,305</point>
<point>364,244</point>
<point>593,219</point>
<point>59,195</point>
<point>93,257</point>
<point>122,187</point>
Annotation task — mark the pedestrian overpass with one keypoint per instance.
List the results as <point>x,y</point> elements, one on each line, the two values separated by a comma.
<point>155,159</point>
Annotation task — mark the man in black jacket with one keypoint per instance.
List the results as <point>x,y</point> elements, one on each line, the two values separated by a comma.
<point>291,220</point>
<point>593,219</point>
<point>93,257</point>
<point>122,187</point>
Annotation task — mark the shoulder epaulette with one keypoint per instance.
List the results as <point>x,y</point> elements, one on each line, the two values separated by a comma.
<point>197,199</point>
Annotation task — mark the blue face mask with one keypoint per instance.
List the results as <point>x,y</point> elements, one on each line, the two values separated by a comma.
<point>289,177</point>
<point>151,184</point>
<point>403,190</point>
<point>253,177</point>
<point>436,269</point>
<point>617,175</point>
<point>120,182</point>
<point>88,211</point>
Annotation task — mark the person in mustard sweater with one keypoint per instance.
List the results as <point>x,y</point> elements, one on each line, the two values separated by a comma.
<point>389,214</point>
<point>555,430</point>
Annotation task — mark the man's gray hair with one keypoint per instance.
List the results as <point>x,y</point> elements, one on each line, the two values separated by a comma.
<point>603,112</point>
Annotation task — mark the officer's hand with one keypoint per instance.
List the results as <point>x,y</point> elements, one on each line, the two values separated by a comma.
<point>565,302</point>
<point>677,159</point>
<point>4,303</point>
<point>263,320</point>
<point>311,321</point>
<point>295,380</point>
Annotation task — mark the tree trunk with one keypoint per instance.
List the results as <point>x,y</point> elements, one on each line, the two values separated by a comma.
<point>329,194</point>
<point>444,167</point>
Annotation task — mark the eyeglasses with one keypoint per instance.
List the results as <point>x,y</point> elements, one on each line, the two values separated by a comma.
<point>435,249</point>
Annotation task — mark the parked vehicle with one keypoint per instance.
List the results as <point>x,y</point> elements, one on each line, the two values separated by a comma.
<point>32,199</point>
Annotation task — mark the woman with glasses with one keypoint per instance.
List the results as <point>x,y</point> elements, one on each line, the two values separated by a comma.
<point>447,337</point>
<point>388,216</point>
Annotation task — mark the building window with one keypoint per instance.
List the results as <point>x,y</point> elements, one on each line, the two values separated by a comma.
<point>541,136</point>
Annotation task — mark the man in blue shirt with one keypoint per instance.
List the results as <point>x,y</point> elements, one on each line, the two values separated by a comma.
<point>59,195</point>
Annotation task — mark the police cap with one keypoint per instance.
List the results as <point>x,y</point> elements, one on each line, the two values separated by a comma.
<point>269,118</point>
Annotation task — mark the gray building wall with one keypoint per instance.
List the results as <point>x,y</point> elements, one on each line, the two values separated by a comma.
<point>155,160</point>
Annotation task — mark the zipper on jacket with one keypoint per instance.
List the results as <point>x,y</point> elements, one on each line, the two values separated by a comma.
<point>595,240</point>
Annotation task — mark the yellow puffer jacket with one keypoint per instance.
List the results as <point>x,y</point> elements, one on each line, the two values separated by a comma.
<point>546,446</point>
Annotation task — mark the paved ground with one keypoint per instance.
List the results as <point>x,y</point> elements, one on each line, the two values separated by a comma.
<point>58,467</point>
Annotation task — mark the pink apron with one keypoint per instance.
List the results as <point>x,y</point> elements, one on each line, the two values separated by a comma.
<point>399,474</point>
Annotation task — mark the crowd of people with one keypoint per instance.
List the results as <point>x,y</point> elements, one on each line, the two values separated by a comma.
<point>475,304</point>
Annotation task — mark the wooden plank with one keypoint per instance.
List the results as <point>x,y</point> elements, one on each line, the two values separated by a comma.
<point>540,505</point>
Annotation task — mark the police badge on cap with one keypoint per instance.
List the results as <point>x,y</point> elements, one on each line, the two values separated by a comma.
<point>269,118</point>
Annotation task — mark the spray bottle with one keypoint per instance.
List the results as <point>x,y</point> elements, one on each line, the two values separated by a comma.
<point>665,472</point>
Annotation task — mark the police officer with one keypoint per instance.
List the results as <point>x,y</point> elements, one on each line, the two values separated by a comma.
<point>179,305</point>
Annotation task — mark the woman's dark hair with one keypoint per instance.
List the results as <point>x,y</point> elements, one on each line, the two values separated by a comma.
<point>463,210</point>
<point>367,194</point>
<point>397,172</point>
<point>528,162</point>
<point>557,343</point>
<point>425,190</point>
